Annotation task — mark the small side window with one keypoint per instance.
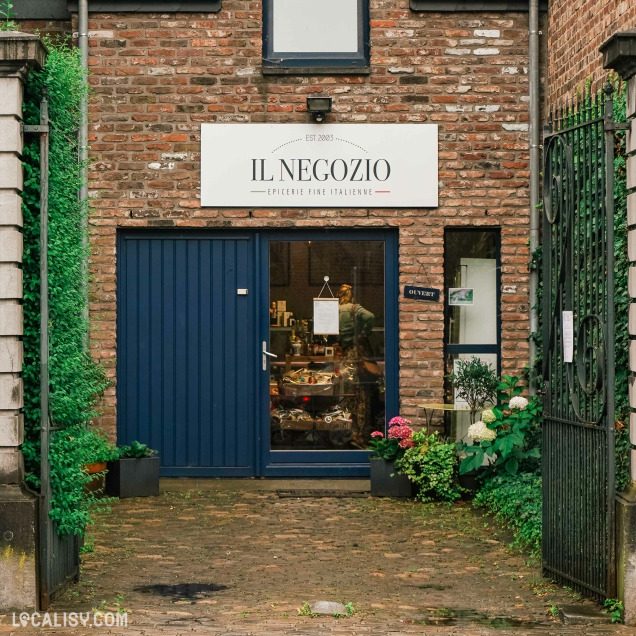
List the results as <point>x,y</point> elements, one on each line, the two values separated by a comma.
<point>472,307</point>
<point>308,37</point>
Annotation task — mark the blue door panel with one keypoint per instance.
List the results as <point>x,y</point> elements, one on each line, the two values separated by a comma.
<point>185,342</point>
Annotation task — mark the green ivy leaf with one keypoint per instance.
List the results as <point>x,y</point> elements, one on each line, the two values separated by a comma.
<point>512,465</point>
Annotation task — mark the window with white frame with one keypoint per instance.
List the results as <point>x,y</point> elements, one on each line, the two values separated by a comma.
<point>305,36</point>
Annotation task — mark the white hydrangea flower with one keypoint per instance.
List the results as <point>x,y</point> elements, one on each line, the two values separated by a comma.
<point>479,432</point>
<point>488,416</point>
<point>518,403</point>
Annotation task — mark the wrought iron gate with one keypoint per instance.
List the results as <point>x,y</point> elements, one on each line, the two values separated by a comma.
<point>578,367</point>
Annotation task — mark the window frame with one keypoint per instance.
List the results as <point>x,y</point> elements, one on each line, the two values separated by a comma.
<point>449,348</point>
<point>316,63</point>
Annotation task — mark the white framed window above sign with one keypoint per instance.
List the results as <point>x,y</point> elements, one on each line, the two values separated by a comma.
<point>306,37</point>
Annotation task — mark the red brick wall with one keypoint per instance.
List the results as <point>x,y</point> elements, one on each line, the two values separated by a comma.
<point>576,30</point>
<point>156,78</point>
<point>54,28</point>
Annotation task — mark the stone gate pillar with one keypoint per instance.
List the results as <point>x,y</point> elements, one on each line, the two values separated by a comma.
<point>619,54</point>
<point>19,52</point>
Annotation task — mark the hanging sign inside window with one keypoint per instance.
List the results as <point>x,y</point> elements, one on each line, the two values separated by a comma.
<point>326,316</point>
<point>421,293</point>
<point>568,336</point>
<point>319,165</point>
<point>460,296</point>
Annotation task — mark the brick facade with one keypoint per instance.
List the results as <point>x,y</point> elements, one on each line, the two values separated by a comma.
<point>156,78</point>
<point>576,30</point>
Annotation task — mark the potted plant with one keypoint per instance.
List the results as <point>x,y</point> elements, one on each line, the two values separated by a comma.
<point>385,480</point>
<point>98,452</point>
<point>475,383</point>
<point>135,473</point>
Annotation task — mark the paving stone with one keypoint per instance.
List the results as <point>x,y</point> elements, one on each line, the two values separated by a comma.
<point>583,615</point>
<point>265,559</point>
<point>328,608</point>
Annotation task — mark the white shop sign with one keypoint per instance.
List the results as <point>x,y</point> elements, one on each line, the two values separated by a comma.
<point>319,165</point>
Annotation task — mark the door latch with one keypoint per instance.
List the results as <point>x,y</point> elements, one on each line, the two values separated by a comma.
<point>267,354</point>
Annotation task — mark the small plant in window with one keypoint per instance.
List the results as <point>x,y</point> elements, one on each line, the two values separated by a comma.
<point>475,383</point>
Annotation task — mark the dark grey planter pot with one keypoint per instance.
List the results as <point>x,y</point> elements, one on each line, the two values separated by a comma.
<point>386,482</point>
<point>133,477</point>
<point>469,482</point>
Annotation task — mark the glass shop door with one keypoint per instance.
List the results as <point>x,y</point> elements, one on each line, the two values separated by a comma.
<point>330,356</point>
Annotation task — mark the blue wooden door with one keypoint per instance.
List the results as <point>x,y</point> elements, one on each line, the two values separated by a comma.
<point>187,351</point>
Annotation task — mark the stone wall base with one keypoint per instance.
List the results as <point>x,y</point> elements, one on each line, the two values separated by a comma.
<point>626,551</point>
<point>18,550</point>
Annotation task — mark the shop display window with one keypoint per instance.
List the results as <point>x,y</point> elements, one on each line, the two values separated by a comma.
<point>327,382</point>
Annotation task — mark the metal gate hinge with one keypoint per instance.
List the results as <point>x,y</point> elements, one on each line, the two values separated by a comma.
<point>36,129</point>
<point>612,125</point>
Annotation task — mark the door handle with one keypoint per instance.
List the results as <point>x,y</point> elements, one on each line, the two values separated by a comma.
<point>267,354</point>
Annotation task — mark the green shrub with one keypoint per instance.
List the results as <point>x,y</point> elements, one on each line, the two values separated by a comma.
<point>76,380</point>
<point>621,300</point>
<point>431,464</point>
<point>71,450</point>
<point>509,434</point>
<point>135,450</point>
<point>515,501</point>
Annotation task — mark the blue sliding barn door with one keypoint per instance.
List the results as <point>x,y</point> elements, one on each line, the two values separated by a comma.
<point>187,352</point>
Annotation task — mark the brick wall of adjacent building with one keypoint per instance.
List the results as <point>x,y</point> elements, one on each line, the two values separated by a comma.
<point>576,30</point>
<point>157,78</point>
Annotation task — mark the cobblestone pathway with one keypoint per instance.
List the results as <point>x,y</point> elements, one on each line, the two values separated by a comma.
<point>235,559</point>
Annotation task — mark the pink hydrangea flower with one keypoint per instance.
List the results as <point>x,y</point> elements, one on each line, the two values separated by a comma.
<point>377,434</point>
<point>400,432</point>
<point>399,421</point>
<point>406,443</point>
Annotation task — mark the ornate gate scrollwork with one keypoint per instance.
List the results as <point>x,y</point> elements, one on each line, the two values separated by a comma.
<point>591,376</point>
<point>553,180</point>
<point>578,407</point>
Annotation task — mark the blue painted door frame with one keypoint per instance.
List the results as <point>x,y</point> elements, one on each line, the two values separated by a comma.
<point>189,356</point>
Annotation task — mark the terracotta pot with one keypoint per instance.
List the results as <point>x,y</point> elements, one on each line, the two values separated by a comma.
<point>98,481</point>
<point>95,467</point>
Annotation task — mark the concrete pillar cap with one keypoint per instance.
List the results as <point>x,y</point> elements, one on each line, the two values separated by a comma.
<point>20,52</point>
<point>619,53</point>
